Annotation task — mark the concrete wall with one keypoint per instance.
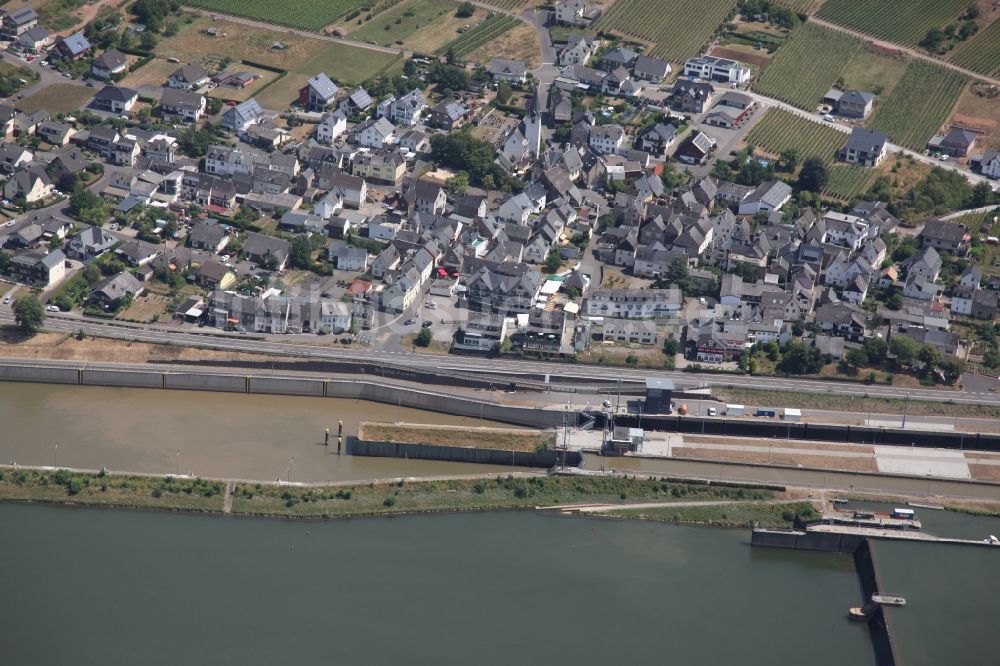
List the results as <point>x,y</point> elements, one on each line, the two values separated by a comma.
<point>801,540</point>
<point>205,382</point>
<point>45,375</point>
<point>132,379</point>
<point>449,404</point>
<point>287,386</point>
<point>543,459</point>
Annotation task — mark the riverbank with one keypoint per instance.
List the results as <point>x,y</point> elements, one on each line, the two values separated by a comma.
<point>363,499</point>
<point>741,514</point>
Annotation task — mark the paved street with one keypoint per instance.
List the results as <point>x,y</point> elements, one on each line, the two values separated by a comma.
<point>509,369</point>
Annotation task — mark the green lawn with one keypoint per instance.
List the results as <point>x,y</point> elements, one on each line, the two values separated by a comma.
<point>57,98</point>
<point>403,20</point>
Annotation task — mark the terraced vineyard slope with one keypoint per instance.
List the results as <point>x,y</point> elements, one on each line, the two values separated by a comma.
<point>805,68</point>
<point>677,29</point>
<point>920,104</point>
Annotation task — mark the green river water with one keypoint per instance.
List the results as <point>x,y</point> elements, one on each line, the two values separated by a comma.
<point>90,586</point>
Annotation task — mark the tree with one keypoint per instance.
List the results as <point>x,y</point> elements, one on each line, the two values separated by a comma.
<point>300,254</point>
<point>952,368</point>
<point>424,338</point>
<point>799,359</point>
<point>789,159</point>
<point>86,206</point>
<point>552,261</point>
<point>968,29</point>
<point>670,346</point>
<point>856,357</point>
<point>904,349</point>
<point>195,141</point>
<point>677,274</point>
<point>933,39</point>
<point>875,350</point>
<point>465,10</point>
<point>504,91</point>
<point>29,314</point>
<point>930,357</point>
<point>813,175</point>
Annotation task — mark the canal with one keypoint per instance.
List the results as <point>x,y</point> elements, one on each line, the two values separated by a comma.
<point>117,587</point>
<point>223,435</point>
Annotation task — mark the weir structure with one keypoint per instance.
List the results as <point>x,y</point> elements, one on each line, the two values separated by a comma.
<point>858,546</point>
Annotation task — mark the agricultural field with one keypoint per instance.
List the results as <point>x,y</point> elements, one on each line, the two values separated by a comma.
<point>805,68</point>
<point>982,52</point>
<point>919,105</point>
<point>506,5</point>
<point>486,31</point>
<point>781,130</point>
<point>798,6</point>
<point>676,30</point>
<point>901,22</point>
<point>301,55</point>
<point>400,23</point>
<point>519,43</point>
<point>304,14</point>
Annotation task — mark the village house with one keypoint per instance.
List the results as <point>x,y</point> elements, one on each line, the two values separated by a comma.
<point>503,69</point>
<point>110,63</point>
<point>115,99</point>
<point>188,77</point>
<point>38,267</point>
<point>864,146</point>
<point>179,105</point>
<point>318,93</point>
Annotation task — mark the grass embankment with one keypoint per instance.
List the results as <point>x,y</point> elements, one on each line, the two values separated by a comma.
<point>844,403</point>
<point>371,499</point>
<point>501,492</point>
<point>505,439</point>
<point>742,514</point>
<point>146,492</point>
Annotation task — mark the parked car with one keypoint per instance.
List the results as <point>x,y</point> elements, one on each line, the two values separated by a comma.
<point>7,299</point>
<point>427,324</point>
<point>409,322</point>
<point>53,308</point>
<point>712,411</point>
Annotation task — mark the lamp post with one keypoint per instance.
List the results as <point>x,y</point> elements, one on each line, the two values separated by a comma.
<point>55,455</point>
<point>177,463</point>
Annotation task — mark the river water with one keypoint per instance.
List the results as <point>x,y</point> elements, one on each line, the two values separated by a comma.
<point>90,586</point>
<point>223,435</point>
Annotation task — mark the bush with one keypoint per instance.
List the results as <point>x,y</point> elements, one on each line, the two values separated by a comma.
<point>424,338</point>
<point>390,501</point>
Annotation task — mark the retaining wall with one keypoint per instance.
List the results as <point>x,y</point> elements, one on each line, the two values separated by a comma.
<point>138,379</point>
<point>802,540</point>
<point>449,404</point>
<point>205,382</point>
<point>543,459</point>
<point>287,386</point>
<point>779,430</point>
<point>45,375</point>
